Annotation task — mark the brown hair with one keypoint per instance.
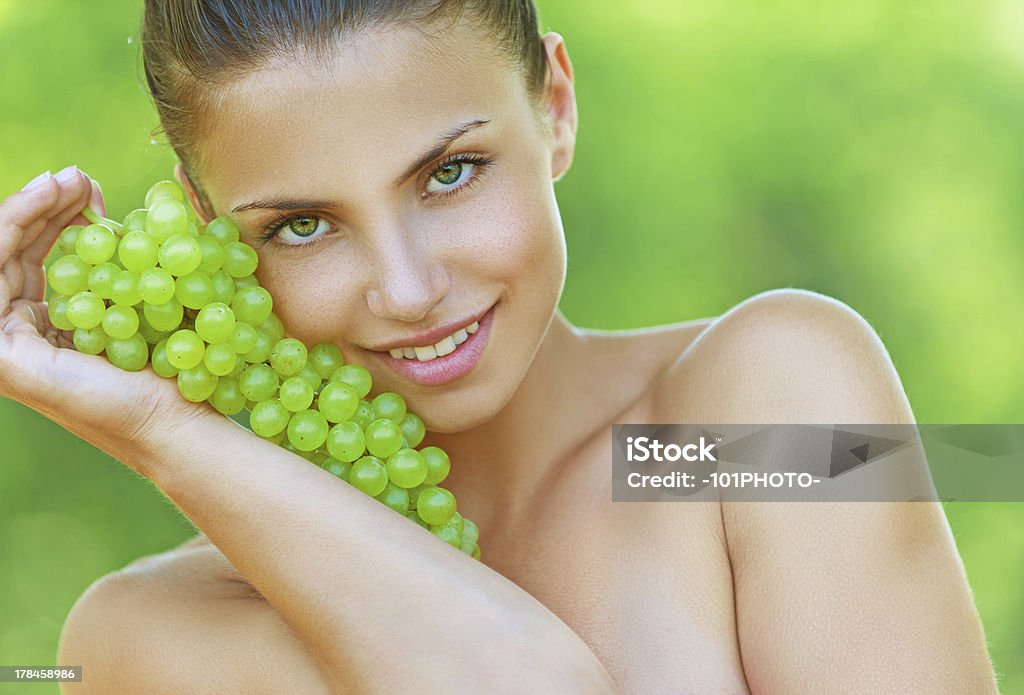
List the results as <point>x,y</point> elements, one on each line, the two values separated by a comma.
<point>189,47</point>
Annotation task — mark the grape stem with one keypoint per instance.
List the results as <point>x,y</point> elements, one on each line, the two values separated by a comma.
<point>91,215</point>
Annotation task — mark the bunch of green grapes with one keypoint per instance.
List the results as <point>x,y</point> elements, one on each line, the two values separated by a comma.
<point>161,289</point>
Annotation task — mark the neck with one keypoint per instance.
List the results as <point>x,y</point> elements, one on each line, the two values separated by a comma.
<point>499,466</point>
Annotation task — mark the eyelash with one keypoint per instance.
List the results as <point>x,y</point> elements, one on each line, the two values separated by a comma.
<point>479,162</point>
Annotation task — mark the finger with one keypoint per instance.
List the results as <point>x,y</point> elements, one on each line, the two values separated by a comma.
<point>25,212</point>
<point>75,191</point>
<point>96,204</point>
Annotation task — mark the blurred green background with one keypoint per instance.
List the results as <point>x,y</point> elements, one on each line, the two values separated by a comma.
<point>871,151</point>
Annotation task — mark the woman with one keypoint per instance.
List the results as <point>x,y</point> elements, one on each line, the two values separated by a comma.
<point>396,178</point>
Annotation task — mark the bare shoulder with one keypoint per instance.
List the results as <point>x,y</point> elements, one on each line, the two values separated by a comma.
<point>864,580</point>
<point>183,621</point>
<point>785,355</point>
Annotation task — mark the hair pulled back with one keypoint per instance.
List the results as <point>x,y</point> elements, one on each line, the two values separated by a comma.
<point>192,47</point>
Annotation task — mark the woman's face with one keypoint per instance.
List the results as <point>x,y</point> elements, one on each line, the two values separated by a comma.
<point>402,187</point>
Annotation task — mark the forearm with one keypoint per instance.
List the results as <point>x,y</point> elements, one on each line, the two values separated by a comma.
<point>378,602</point>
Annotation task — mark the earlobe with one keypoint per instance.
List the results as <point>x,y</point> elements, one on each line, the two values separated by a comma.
<point>561,100</point>
<point>193,198</point>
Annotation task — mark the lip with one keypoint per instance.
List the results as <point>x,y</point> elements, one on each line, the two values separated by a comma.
<point>430,337</point>
<point>455,365</point>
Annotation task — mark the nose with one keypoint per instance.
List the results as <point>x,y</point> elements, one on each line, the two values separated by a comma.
<point>410,279</point>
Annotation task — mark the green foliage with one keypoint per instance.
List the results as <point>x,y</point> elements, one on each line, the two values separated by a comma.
<point>869,151</point>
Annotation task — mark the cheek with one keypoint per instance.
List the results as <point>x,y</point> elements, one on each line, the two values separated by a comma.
<point>312,301</point>
<point>518,239</point>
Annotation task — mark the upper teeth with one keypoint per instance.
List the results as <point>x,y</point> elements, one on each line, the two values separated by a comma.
<point>441,348</point>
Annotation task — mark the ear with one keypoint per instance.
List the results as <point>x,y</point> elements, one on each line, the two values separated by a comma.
<point>561,101</point>
<point>197,201</point>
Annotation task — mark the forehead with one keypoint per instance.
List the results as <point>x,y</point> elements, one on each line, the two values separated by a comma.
<point>385,94</point>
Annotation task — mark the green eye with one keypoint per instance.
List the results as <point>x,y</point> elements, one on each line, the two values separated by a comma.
<point>303,226</point>
<point>448,174</point>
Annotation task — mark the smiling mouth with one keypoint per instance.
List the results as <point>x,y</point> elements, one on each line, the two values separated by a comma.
<point>443,347</point>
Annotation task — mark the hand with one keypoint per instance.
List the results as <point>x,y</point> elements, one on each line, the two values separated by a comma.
<point>118,411</point>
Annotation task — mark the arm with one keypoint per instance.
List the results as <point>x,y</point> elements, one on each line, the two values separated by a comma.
<point>837,597</point>
<point>378,603</point>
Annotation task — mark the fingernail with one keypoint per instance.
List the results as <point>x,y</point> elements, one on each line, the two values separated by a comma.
<point>42,178</point>
<point>67,173</point>
<point>96,200</point>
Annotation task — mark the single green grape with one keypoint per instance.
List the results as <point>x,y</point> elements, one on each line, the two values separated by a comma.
<point>272,327</point>
<point>85,310</point>
<point>196,383</point>
<point>356,375</point>
<point>223,287</point>
<point>243,337</point>
<point>310,376</point>
<point>247,281</point>
<point>288,356</point>
<point>57,309</point>
<point>131,355</point>
<point>258,382</point>
<point>91,341</point>
<point>227,399</point>
<point>413,429</point>
<point>438,464</point>
<point>389,405</point>
<point>346,442</point>
<point>383,438</point>
<point>135,221</point>
<point>456,523</point>
<point>163,189</point>
<point>213,254</point>
<point>407,468</point>
<point>252,305</point>
<point>96,244</point>
<point>150,334</point>
<point>338,401</point>
<point>165,219</point>
<point>307,430</point>
<point>101,279</point>
<point>325,359</point>
<point>436,505</point>
<point>125,288</point>
<point>337,468</point>
<point>185,349</point>
<point>180,255</point>
<point>240,259</point>
<point>364,412</point>
<point>69,275</point>
<point>159,359</point>
<point>395,497</point>
<point>215,322</point>
<point>269,418</point>
<point>194,290</point>
<point>220,359</point>
<point>156,286</point>
<point>138,251</point>
<point>295,394</point>
<point>68,237</point>
<point>261,353</point>
<point>164,317</point>
<point>120,322</point>
<point>368,475</point>
<point>223,229</point>
<point>446,533</point>
<point>470,531</point>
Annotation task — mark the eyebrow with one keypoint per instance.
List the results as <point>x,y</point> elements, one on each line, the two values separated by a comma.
<point>442,143</point>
